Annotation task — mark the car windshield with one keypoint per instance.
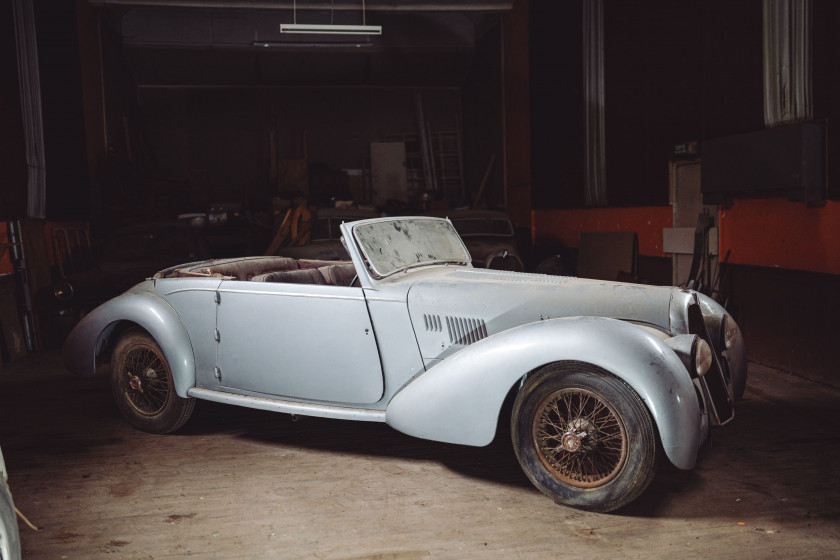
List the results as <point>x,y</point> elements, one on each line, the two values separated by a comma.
<point>393,245</point>
<point>483,226</point>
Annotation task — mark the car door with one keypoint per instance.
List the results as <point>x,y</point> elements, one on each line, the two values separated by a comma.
<point>299,341</point>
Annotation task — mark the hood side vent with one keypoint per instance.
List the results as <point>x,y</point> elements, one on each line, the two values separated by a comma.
<point>432,323</point>
<point>465,330</point>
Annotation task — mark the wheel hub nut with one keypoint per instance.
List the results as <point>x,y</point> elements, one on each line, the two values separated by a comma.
<point>134,383</point>
<point>573,441</point>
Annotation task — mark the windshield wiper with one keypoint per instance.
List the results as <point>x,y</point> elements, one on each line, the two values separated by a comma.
<point>430,263</point>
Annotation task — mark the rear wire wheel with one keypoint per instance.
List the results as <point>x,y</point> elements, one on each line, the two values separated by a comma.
<point>143,388</point>
<point>584,437</point>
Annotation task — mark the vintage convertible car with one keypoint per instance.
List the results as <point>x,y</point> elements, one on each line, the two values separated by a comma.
<point>603,377</point>
<point>9,534</point>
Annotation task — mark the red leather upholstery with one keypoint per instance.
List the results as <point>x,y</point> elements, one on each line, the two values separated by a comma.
<point>339,274</point>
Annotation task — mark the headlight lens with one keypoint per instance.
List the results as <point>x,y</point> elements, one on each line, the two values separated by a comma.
<point>63,291</point>
<point>702,357</point>
<point>729,331</point>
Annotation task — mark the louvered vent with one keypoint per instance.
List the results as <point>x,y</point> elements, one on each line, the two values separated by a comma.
<point>433,323</point>
<point>463,330</point>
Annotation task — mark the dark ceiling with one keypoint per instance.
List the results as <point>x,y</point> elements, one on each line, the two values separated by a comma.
<point>168,44</point>
<point>370,5</point>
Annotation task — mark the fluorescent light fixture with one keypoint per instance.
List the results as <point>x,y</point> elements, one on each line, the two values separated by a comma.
<point>331,29</point>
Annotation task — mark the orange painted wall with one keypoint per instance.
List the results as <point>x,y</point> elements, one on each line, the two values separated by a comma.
<point>551,227</point>
<point>775,232</point>
<point>769,232</point>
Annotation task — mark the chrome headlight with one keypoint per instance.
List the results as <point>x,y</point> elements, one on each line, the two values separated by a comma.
<point>701,357</point>
<point>728,332</point>
<point>63,291</point>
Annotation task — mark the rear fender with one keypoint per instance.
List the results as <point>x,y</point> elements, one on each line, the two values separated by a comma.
<point>146,310</point>
<point>459,399</point>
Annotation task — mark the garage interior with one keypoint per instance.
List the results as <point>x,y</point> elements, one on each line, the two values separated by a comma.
<point>602,128</point>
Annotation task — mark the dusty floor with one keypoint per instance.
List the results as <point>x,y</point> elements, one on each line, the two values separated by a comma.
<point>238,483</point>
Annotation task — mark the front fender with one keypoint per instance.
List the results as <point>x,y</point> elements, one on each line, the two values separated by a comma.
<point>148,311</point>
<point>459,399</point>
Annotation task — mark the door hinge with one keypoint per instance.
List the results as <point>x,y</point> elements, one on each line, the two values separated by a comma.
<point>216,335</point>
<point>218,373</point>
<point>218,297</point>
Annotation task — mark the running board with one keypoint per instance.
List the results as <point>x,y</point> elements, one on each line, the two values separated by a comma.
<point>289,407</point>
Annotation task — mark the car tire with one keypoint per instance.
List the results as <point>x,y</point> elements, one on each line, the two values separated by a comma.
<point>583,437</point>
<point>143,388</point>
<point>9,535</point>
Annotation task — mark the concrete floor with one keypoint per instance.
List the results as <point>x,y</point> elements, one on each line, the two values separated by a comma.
<point>238,483</point>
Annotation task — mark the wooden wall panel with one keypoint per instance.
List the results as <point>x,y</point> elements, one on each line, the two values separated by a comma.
<point>5,260</point>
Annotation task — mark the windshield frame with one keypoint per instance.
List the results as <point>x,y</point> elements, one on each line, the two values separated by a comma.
<point>379,268</point>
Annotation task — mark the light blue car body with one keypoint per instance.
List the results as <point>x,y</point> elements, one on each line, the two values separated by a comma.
<point>434,350</point>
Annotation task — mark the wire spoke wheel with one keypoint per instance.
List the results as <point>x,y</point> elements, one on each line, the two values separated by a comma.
<point>583,436</point>
<point>141,381</point>
<point>579,437</point>
<point>146,380</point>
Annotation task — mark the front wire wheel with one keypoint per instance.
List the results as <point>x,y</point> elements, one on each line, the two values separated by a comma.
<point>145,382</point>
<point>583,437</point>
<point>143,388</point>
<point>580,437</point>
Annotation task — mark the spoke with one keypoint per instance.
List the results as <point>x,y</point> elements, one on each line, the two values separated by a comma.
<point>153,391</point>
<point>560,416</point>
<point>548,422</point>
<point>599,409</point>
<point>588,415</point>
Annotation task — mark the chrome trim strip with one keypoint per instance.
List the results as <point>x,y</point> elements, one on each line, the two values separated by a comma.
<point>294,294</point>
<point>190,290</point>
<point>289,407</point>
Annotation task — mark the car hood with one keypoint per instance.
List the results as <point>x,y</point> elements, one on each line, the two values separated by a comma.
<point>452,309</point>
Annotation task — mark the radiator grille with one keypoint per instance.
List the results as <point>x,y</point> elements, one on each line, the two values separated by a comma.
<point>465,330</point>
<point>715,379</point>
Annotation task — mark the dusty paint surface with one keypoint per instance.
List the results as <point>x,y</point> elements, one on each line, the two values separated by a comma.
<point>239,483</point>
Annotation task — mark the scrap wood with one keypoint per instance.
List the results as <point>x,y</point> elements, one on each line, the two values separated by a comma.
<point>25,520</point>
